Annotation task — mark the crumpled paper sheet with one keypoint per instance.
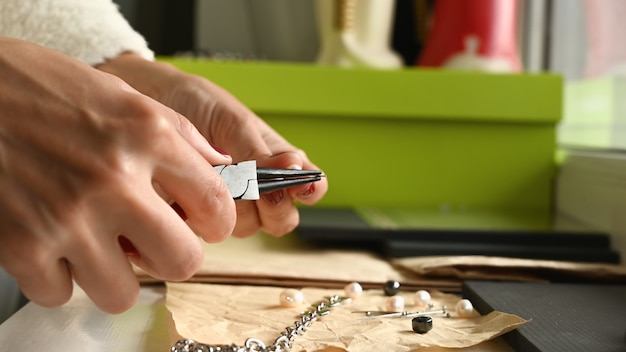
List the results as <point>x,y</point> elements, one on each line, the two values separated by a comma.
<point>226,314</point>
<point>266,260</point>
<point>511,269</point>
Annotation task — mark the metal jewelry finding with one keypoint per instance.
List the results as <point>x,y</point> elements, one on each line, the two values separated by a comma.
<point>282,344</point>
<point>405,314</point>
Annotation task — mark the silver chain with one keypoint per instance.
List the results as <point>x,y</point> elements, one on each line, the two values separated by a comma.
<point>281,344</point>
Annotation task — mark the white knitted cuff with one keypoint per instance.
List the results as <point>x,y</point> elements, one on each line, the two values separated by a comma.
<point>92,31</point>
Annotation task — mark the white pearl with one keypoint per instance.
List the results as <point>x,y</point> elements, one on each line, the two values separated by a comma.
<point>464,308</point>
<point>421,298</point>
<point>291,298</point>
<point>395,304</point>
<point>353,290</point>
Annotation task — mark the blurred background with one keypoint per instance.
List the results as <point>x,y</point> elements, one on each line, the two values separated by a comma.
<point>551,33</point>
<point>578,40</point>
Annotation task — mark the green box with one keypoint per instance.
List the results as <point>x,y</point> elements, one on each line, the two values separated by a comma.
<point>437,141</point>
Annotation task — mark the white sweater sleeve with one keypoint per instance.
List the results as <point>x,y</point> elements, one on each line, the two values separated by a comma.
<point>89,30</point>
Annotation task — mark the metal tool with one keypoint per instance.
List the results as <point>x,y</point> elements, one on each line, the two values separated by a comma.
<point>376,314</point>
<point>246,181</point>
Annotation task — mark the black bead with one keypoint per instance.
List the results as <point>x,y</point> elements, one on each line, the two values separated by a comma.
<point>391,288</point>
<point>422,324</point>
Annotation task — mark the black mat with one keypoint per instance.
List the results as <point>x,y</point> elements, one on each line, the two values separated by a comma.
<point>563,317</point>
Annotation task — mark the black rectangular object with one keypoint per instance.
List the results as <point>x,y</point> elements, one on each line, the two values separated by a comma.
<point>562,317</point>
<point>345,226</point>
<point>565,252</point>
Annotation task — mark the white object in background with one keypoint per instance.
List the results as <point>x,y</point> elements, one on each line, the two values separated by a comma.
<point>80,326</point>
<point>470,59</point>
<point>356,33</point>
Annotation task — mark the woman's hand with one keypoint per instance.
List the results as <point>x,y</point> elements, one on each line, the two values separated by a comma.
<point>231,127</point>
<point>82,155</point>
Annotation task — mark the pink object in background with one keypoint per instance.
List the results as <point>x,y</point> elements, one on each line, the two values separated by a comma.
<point>473,35</point>
<point>606,46</point>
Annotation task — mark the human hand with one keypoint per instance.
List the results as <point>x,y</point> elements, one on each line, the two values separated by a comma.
<point>232,127</point>
<point>82,155</point>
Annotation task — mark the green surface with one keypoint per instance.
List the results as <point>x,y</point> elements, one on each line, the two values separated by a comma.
<point>424,139</point>
<point>362,93</point>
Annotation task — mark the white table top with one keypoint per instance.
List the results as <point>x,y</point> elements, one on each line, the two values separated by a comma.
<point>80,326</point>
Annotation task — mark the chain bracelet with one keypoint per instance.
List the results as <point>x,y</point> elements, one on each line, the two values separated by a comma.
<point>282,344</point>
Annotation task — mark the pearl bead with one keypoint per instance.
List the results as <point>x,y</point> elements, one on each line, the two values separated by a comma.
<point>291,298</point>
<point>353,290</point>
<point>394,304</point>
<point>464,308</point>
<point>391,288</point>
<point>421,298</point>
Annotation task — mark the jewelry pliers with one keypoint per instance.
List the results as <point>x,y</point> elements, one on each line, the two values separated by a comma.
<point>246,181</point>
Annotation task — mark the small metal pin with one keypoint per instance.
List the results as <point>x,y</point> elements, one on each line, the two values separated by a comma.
<point>370,312</point>
<point>373,314</point>
<point>443,312</point>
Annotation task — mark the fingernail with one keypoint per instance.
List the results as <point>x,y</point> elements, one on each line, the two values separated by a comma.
<point>274,197</point>
<point>308,192</point>
<point>294,167</point>
<point>220,150</point>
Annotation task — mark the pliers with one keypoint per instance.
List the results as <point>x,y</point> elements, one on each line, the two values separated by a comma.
<point>245,181</point>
